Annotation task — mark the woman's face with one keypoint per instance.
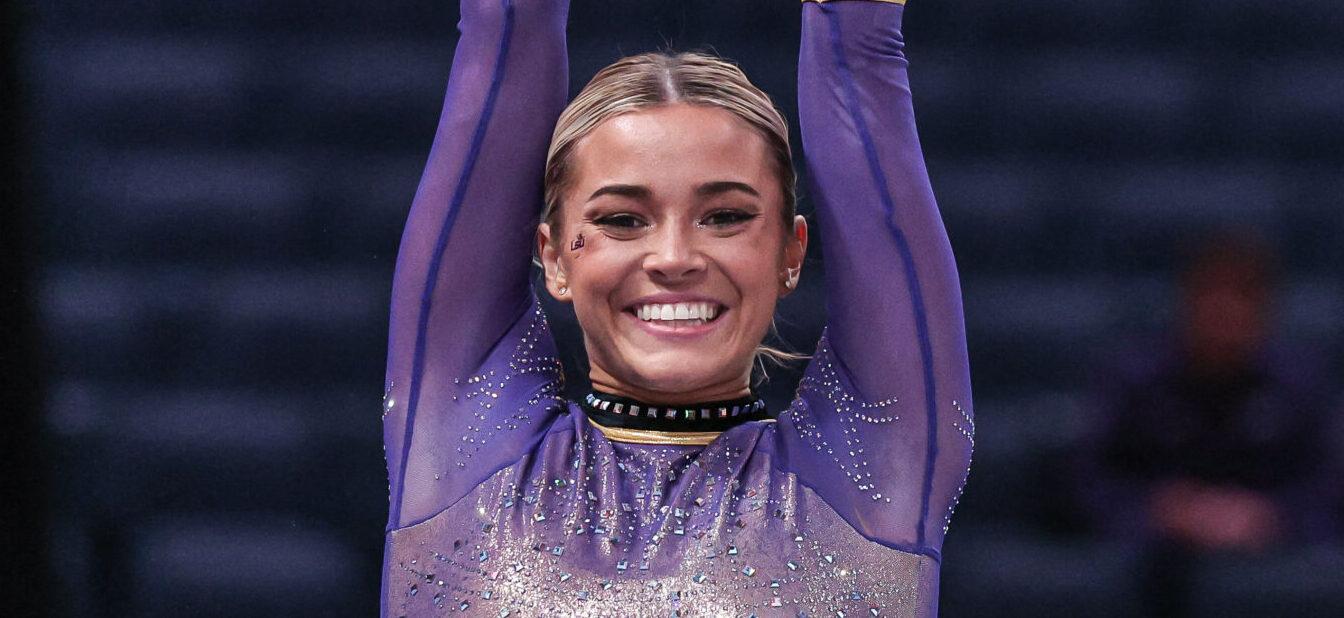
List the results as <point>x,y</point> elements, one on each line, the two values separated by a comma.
<point>672,251</point>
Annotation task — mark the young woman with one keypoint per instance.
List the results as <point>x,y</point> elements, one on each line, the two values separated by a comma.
<point>669,225</point>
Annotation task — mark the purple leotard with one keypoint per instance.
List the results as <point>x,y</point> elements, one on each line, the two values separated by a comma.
<point>506,501</point>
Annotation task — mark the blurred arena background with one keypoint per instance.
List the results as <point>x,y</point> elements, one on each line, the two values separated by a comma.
<point>209,198</point>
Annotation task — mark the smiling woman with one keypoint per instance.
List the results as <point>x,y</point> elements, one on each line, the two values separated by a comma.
<point>670,226</point>
<point>679,204</point>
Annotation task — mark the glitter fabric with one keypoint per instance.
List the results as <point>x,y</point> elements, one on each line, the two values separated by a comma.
<point>506,501</point>
<point>589,527</point>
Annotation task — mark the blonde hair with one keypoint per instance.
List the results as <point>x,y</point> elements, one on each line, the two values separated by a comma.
<point>646,80</point>
<point>657,78</point>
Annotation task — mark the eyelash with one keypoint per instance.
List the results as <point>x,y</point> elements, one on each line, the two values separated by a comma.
<point>736,216</point>
<point>628,221</point>
<point>611,221</point>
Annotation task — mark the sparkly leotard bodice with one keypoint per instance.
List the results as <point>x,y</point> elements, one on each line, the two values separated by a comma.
<point>505,500</point>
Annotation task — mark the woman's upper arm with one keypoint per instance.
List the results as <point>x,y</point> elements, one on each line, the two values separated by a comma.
<point>885,405</point>
<point>461,293</point>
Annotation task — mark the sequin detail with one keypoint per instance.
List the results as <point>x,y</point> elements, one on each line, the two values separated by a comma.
<point>487,390</point>
<point>639,530</point>
<point>966,427</point>
<point>388,401</point>
<point>823,380</point>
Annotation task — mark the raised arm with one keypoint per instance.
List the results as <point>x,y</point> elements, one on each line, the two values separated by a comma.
<point>884,414</point>
<point>461,294</point>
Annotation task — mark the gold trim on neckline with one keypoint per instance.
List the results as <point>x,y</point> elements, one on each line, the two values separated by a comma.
<point>649,436</point>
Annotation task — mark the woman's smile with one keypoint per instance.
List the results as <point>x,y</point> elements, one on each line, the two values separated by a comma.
<point>684,251</point>
<point>678,320</point>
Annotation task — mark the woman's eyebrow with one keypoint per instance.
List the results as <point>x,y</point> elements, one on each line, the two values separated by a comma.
<point>631,191</point>
<point>724,186</point>
<point>708,189</point>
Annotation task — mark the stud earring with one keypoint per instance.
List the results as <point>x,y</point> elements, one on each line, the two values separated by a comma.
<point>563,290</point>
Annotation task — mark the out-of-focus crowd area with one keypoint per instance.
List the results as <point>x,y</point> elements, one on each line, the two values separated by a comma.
<point>1146,201</point>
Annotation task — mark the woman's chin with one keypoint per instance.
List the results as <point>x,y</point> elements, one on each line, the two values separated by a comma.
<point>680,378</point>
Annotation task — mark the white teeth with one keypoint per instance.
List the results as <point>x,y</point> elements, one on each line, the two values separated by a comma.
<point>703,312</point>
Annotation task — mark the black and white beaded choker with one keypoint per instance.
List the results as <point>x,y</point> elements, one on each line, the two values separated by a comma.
<point>714,416</point>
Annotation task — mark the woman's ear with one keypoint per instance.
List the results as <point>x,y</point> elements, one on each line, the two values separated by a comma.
<point>556,282</point>
<point>795,249</point>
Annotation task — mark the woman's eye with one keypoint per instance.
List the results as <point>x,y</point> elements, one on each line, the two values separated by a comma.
<point>620,221</point>
<point>726,218</point>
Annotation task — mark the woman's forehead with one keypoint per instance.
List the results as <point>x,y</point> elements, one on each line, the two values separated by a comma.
<point>673,145</point>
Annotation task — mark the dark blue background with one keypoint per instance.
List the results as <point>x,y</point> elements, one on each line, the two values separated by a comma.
<point>213,195</point>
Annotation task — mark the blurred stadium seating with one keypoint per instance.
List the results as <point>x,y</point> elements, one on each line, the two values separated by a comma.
<point>221,189</point>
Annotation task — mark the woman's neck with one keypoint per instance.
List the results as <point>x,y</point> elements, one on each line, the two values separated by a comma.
<point>734,389</point>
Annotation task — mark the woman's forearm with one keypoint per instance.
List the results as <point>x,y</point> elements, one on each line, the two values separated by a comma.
<point>462,269</point>
<point>895,331</point>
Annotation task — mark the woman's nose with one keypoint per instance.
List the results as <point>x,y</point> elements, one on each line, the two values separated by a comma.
<point>674,255</point>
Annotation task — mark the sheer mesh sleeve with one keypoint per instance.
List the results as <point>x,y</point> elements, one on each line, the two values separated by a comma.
<point>882,427</point>
<point>463,313</point>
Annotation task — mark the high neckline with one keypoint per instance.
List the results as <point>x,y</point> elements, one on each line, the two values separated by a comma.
<point>613,411</point>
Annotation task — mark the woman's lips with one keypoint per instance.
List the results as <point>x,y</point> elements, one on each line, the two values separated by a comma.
<point>677,329</point>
